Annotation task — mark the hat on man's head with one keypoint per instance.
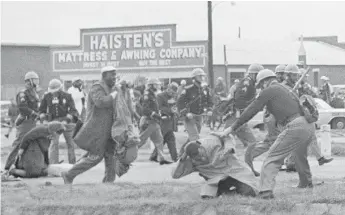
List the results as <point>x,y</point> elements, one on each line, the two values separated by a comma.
<point>107,69</point>
<point>75,79</point>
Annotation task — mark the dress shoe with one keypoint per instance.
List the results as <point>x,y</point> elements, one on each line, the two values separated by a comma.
<point>65,179</point>
<point>324,160</point>
<point>310,185</point>
<point>164,162</point>
<point>265,195</point>
<point>153,159</point>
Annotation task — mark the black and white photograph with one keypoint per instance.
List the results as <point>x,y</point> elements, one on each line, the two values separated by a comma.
<point>172,107</point>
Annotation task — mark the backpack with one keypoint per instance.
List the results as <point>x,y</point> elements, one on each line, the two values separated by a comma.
<point>307,105</point>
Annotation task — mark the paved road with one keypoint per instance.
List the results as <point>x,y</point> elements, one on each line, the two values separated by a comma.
<point>146,172</point>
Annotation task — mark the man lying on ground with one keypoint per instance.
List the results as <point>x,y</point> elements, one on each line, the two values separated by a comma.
<point>217,163</point>
<point>31,158</point>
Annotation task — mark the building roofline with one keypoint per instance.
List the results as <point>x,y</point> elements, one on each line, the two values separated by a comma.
<point>129,26</point>
<point>34,44</point>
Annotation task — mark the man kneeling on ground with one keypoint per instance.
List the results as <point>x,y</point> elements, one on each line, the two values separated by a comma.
<point>31,159</point>
<point>217,163</point>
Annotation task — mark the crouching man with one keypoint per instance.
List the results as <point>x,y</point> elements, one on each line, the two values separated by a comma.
<point>31,159</point>
<point>215,160</point>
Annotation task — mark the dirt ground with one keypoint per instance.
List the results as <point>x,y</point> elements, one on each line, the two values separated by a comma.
<point>149,189</point>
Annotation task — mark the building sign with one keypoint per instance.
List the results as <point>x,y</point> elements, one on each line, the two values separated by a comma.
<point>132,48</point>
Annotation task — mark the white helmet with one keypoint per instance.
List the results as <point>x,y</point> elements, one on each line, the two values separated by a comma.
<point>280,68</point>
<point>292,69</point>
<point>31,75</point>
<point>198,71</point>
<point>183,82</point>
<point>263,74</point>
<point>54,85</point>
<point>153,81</point>
<point>255,68</point>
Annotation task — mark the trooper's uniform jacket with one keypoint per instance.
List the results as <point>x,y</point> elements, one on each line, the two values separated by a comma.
<point>27,101</point>
<point>57,106</point>
<point>197,98</point>
<point>149,104</point>
<point>244,93</point>
<point>166,103</point>
<point>289,83</point>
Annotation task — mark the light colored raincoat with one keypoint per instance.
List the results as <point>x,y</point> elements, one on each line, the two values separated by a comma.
<point>222,163</point>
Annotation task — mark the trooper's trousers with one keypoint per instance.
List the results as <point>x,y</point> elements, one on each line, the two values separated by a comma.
<point>315,149</point>
<point>170,140</point>
<point>151,129</point>
<point>273,130</point>
<point>193,128</point>
<point>90,160</point>
<point>295,138</point>
<point>244,133</point>
<point>54,147</point>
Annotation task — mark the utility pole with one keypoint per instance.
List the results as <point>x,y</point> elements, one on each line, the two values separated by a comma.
<point>226,69</point>
<point>210,47</point>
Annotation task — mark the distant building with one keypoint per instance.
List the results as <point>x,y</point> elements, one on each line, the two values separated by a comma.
<point>148,51</point>
<point>323,58</point>
<point>153,51</point>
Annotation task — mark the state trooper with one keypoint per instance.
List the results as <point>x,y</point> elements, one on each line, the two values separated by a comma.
<point>292,75</point>
<point>280,73</point>
<point>150,121</point>
<point>295,137</point>
<point>243,95</point>
<point>27,101</point>
<point>273,130</point>
<point>58,105</point>
<point>192,103</point>
<point>167,106</point>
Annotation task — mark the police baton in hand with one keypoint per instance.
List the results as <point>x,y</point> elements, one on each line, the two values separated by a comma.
<point>300,79</point>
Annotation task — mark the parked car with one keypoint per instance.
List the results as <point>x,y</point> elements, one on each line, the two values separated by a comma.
<point>5,119</point>
<point>327,115</point>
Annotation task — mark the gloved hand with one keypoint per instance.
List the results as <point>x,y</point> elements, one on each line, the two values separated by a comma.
<point>34,115</point>
<point>155,115</point>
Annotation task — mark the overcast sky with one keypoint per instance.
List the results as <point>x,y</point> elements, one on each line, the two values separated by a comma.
<point>59,22</point>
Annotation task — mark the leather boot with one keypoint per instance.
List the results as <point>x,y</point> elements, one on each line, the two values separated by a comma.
<point>324,160</point>
<point>268,194</point>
